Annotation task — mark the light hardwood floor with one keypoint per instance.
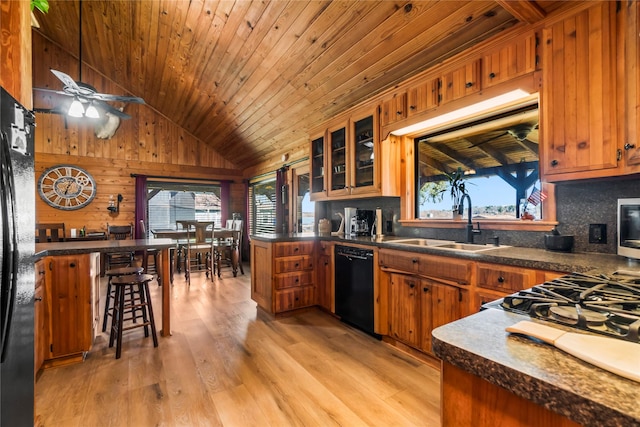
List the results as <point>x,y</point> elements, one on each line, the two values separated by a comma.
<point>226,364</point>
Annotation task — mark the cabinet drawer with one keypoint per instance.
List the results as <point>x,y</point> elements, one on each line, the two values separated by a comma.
<point>450,269</point>
<point>293,298</point>
<point>398,260</point>
<point>291,280</point>
<point>506,279</point>
<point>293,248</point>
<point>293,263</point>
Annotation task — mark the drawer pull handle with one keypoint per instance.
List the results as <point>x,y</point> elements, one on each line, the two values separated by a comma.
<point>414,260</point>
<point>72,265</point>
<point>297,280</point>
<point>425,289</point>
<point>412,285</point>
<point>297,265</point>
<point>38,298</point>
<point>500,279</point>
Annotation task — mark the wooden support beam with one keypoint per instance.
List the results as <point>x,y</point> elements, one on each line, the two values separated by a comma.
<point>524,10</point>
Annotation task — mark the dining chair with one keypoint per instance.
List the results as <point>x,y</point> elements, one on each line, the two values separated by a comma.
<point>149,253</point>
<point>54,232</point>
<point>119,259</point>
<point>198,251</point>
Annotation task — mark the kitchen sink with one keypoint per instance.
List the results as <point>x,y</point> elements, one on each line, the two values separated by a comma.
<point>467,247</point>
<point>444,244</point>
<point>417,242</point>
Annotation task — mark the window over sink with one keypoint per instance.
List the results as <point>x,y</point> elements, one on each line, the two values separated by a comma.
<point>496,159</point>
<point>496,155</point>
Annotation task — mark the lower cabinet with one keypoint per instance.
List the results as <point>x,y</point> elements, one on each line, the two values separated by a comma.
<point>71,311</point>
<point>40,321</point>
<point>282,275</point>
<point>418,305</point>
<point>324,276</point>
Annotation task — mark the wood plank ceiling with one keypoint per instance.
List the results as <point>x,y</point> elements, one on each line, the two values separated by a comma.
<point>250,78</point>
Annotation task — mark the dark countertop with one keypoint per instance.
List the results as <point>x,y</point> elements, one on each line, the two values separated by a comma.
<point>538,372</point>
<point>103,246</point>
<point>540,259</point>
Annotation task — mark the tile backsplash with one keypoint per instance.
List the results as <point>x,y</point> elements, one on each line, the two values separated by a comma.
<point>578,205</point>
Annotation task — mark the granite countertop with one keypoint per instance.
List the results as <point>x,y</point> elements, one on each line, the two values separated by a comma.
<point>103,246</point>
<point>540,259</point>
<point>538,372</point>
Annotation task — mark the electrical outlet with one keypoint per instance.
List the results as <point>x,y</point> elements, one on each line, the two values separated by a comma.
<point>597,233</point>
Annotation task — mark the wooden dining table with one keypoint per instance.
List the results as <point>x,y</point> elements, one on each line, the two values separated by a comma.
<point>182,237</point>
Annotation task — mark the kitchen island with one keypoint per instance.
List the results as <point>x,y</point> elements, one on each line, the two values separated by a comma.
<point>490,377</point>
<point>111,246</point>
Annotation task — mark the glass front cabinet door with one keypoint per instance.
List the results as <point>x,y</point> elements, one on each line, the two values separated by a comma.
<point>362,166</point>
<point>318,181</point>
<point>338,161</point>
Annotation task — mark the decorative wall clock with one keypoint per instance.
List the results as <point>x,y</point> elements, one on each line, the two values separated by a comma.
<point>66,187</point>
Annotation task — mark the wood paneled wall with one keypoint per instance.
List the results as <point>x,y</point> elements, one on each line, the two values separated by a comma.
<point>15,49</point>
<point>147,144</point>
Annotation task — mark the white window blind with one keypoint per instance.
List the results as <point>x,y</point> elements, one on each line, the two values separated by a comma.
<point>262,206</point>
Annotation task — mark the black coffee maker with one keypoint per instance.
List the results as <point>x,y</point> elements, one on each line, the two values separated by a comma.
<point>364,222</point>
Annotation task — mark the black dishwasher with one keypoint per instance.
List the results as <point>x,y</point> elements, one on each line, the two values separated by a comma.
<point>354,287</point>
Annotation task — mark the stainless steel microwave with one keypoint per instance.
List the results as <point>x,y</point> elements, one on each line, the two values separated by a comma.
<point>629,228</point>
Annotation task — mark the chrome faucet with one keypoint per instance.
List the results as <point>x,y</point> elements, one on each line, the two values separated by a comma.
<point>469,226</point>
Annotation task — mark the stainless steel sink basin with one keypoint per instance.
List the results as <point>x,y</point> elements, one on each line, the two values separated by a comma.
<point>417,242</point>
<point>467,247</point>
<point>443,244</point>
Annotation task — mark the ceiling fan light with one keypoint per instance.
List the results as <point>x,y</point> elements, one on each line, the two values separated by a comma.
<point>92,112</point>
<point>76,109</point>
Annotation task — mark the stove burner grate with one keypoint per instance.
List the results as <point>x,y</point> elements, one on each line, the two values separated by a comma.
<point>593,303</point>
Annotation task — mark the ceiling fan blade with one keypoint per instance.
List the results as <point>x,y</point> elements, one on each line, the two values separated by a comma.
<point>66,80</point>
<point>59,92</point>
<point>111,110</point>
<point>120,98</point>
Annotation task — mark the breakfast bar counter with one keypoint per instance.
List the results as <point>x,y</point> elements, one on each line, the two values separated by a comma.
<point>110,246</point>
<point>490,377</point>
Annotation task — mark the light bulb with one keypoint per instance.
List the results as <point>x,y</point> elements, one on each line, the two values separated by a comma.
<point>92,112</point>
<point>76,109</point>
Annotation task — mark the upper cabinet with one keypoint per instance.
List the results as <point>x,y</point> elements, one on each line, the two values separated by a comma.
<point>435,90</point>
<point>579,121</point>
<point>631,72</point>
<point>509,60</point>
<point>354,159</point>
<point>318,180</point>
<point>460,82</point>
<point>394,108</point>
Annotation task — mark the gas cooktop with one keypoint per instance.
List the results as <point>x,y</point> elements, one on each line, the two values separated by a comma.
<point>601,304</point>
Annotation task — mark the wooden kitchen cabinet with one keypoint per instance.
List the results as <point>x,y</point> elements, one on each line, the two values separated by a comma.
<point>513,59</point>
<point>460,82</point>
<point>324,276</point>
<point>282,275</point>
<point>405,302</point>
<point>444,268</point>
<point>318,166</point>
<point>72,305</point>
<point>631,72</point>
<point>505,279</point>
<point>394,108</point>
<point>417,306</point>
<point>423,96</point>
<point>356,163</point>
<point>579,114</point>
<point>41,330</point>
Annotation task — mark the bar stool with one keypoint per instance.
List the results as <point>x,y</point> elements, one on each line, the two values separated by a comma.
<point>139,307</point>
<point>115,272</point>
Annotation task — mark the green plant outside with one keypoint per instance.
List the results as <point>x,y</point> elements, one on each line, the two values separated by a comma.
<point>41,5</point>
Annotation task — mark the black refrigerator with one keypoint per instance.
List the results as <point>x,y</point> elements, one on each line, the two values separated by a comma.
<point>17,198</point>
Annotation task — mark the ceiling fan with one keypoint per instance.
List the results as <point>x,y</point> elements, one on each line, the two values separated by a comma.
<point>87,101</point>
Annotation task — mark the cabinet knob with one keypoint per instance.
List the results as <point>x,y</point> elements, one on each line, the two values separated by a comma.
<point>41,272</point>
<point>412,285</point>
<point>492,75</point>
<point>425,289</point>
<point>38,299</point>
<point>468,84</point>
<point>414,260</point>
<point>628,146</point>
<point>72,265</point>
<point>554,162</point>
<point>412,107</point>
<point>399,113</point>
<point>500,279</point>
<point>297,265</point>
